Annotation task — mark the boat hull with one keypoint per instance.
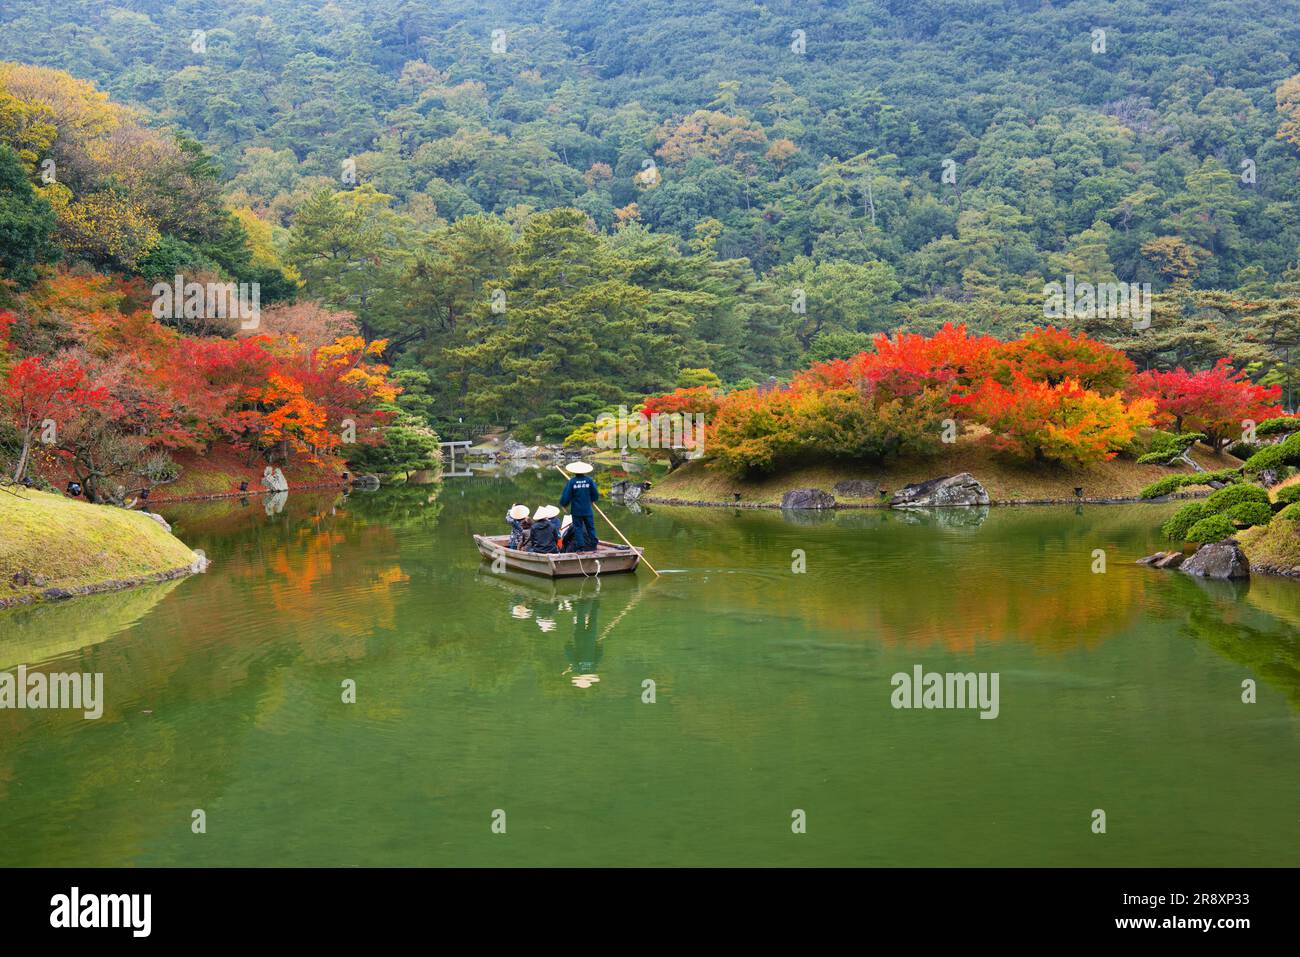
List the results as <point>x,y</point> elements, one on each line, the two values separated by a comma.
<point>608,559</point>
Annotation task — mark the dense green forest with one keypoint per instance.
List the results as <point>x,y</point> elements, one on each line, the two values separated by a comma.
<point>551,208</point>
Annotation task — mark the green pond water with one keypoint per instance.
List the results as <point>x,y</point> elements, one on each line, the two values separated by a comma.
<point>1119,690</point>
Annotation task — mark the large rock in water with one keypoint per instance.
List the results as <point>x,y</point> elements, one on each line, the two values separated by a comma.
<point>807,498</point>
<point>949,490</point>
<point>1223,559</point>
<point>857,488</point>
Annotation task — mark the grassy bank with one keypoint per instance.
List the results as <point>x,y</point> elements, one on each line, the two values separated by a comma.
<point>1121,478</point>
<point>54,547</point>
<point>1274,547</point>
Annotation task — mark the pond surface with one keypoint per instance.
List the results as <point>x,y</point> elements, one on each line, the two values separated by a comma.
<point>1119,690</point>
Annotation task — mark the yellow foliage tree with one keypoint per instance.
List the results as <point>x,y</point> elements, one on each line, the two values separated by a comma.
<point>103,225</point>
<point>713,135</point>
<point>1288,107</point>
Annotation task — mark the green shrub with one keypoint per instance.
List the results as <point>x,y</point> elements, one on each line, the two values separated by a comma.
<point>1226,498</point>
<point>1155,458</point>
<point>1172,483</point>
<point>1276,456</point>
<point>1279,425</point>
<point>1250,513</point>
<point>1215,528</point>
<point>1269,457</point>
<point>1242,450</point>
<point>1162,487</point>
<point>1290,513</point>
<point>1221,475</point>
<point>1176,527</point>
<point>1289,494</point>
<point>1165,448</point>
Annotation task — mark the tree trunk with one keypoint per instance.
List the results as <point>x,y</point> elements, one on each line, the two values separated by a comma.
<point>22,459</point>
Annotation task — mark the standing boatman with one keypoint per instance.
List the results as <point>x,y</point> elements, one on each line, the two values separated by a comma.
<point>578,495</point>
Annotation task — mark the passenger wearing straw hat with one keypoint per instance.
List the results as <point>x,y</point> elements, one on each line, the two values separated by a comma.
<point>553,516</point>
<point>516,517</point>
<point>542,537</point>
<point>566,533</point>
<point>579,494</point>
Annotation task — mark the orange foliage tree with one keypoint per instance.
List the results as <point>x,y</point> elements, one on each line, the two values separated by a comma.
<point>1048,396</point>
<point>1063,422</point>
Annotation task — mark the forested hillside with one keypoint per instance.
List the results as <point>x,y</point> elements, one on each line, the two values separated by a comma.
<point>551,208</point>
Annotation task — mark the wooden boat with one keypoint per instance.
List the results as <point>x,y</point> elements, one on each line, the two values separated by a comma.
<point>607,559</point>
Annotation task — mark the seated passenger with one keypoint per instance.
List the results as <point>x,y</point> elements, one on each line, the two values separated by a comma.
<point>517,515</point>
<point>566,534</point>
<point>542,537</point>
<point>553,516</point>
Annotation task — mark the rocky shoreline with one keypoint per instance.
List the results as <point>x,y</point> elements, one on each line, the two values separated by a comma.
<point>956,491</point>
<point>58,594</point>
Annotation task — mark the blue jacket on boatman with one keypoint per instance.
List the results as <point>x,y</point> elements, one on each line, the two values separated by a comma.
<point>580,494</point>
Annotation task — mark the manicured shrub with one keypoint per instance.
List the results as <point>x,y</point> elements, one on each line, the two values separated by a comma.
<point>1172,483</point>
<point>1276,456</point>
<point>1291,512</point>
<point>1176,527</point>
<point>1279,425</point>
<point>1250,513</point>
<point>1226,498</point>
<point>1165,448</point>
<point>1289,494</point>
<point>1162,487</point>
<point>1215,528</point>
<point>1242,450</point>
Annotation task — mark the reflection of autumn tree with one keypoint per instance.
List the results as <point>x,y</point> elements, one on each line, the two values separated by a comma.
<point>997,603</point>
<point>992,589</point>
<point>310,588</point>
<point>329,569</point>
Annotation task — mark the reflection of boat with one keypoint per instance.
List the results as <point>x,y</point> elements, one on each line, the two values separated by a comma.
<point>608,559</point>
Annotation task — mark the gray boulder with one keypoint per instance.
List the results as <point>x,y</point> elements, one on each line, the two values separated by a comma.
<point>1223,559</point>
<point>627,491</point>
<point>857,488</point>
<point>807,498</point>
<point>159,519</point>
<point>959,489</point>
<point>273,480</point>
<point>1172,560</point>
<point>514,449</point>
<point>1152,559</point>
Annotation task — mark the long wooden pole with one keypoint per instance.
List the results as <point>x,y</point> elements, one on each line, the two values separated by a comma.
<point>615,528</point>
